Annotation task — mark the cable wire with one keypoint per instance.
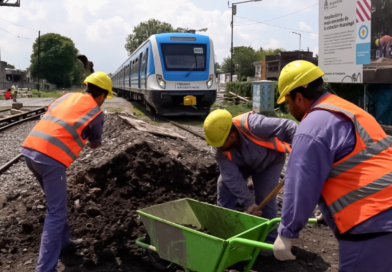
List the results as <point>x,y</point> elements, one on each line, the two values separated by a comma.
<point>15,34</point>
<point>292,29</point>
<point>18,25</point>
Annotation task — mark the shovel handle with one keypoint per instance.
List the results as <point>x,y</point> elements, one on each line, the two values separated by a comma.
<point>270,196</point>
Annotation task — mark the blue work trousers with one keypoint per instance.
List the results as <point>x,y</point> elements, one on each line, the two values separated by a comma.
<point>263,183</point>
<point>56,233</point>
<point>369,255</point>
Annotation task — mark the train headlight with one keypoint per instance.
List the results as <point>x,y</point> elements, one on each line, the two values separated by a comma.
<point>210,81</point>
<point>161,82</point>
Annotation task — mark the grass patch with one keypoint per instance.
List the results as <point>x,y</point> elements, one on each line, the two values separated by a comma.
<point>52,94</point>
<point>281,114</point>
<point>243,108</point>
<point>233,109</point>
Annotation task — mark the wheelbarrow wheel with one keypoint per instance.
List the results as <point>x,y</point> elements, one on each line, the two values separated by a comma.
<point>159,263</point>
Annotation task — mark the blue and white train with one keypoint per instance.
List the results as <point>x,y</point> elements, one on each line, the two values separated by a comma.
<point>173,73</point>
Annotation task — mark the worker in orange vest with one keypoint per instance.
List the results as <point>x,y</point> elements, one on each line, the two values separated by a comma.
<point>247,145</point>
<point>384,44</point>
<point>52,145</point>
<point>341,161</point>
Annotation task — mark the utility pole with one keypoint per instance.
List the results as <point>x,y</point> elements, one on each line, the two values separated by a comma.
<point>234,12</point>
<point>39,53</point>
<point>299,51</point>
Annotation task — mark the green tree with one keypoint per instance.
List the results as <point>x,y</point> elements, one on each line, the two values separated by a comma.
<point>143,31</point>
<point>10,66</point>
<point>57,59</point>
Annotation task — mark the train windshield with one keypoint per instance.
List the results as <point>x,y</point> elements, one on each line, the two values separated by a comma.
<point>184,57</point>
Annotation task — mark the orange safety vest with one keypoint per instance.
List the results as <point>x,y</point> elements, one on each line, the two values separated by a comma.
<point>241,122</point>
<point>359,185</point>
<point>58,133</point>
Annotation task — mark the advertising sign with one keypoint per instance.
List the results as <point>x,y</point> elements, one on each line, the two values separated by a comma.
<point>344,41</point>
<point>355,40</point>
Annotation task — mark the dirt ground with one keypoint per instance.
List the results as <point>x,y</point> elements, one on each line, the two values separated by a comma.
<point>106,186</point>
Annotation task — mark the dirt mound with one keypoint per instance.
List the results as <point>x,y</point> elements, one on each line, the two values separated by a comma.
<point>108,196</point>
<point>106,186</point>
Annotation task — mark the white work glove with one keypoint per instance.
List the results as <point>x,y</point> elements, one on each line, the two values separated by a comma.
<point>282,249</point>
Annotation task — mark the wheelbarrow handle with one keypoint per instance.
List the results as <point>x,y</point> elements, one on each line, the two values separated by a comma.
<point>140,242</point>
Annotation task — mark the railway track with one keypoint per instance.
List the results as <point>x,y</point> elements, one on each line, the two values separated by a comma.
<point>12,120</point>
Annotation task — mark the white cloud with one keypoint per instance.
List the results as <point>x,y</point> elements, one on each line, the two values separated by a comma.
<point>99,27</point>
<point>314,36</point>
<point>273,43</point>
<point>303,26</point>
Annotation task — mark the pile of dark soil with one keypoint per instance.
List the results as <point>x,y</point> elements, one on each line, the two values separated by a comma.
<point>106,186</point>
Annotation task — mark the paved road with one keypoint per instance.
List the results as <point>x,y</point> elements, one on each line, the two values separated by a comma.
<point>41,102</point>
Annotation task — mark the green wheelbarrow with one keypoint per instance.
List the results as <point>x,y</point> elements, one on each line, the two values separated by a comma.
<point>229,237</point>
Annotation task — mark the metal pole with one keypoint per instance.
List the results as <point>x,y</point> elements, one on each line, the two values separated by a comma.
<point>299,46</point>
<point>39,53</point>
<point>364,97</point>
<point>231,49</point>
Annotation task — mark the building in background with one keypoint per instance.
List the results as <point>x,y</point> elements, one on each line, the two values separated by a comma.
<point>274,64</point>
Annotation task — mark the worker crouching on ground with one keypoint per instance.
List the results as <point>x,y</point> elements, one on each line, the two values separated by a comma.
<point>249,145</point>
<point>52,145</point>
<point>384,45</point>
<point>341,160</point>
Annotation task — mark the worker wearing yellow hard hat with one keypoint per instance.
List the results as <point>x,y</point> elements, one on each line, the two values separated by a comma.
<point>249,145</point>
<point>384,45</point>
<point>339,160</point>
<point>72,121</point>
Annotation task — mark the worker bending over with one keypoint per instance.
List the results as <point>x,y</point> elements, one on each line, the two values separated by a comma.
<point>248,145</point>
<point>52,145</point>
<point>384,44</point>
<point>341,160</point>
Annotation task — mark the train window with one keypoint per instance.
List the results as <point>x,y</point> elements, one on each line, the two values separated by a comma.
<point>184,57</point>
<point>183,38</point>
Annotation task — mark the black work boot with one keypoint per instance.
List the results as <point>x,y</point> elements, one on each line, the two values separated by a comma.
<point>71,247</point>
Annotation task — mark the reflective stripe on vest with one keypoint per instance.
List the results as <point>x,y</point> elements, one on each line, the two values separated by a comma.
<point>58,134</point>
<point>359,186</point>
<point>241,122</point>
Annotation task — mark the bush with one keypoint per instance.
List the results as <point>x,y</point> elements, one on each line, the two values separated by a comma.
<point>243,89</point>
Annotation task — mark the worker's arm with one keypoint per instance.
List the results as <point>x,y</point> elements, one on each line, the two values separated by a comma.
<point>307,170</point>
<point>93,132</point>
<point>266,127</point>
<point>233,179</point>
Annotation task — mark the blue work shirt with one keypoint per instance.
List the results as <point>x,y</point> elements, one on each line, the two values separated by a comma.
<point>93,131</point>
<point>322,138</point>
<point>253,157</point>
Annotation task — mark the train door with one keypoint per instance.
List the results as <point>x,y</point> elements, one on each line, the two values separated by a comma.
<point>140,69</point>
<point>145,68</point>
<point>130,74</point>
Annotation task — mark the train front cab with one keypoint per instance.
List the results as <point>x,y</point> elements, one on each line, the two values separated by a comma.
<point>184,81</point>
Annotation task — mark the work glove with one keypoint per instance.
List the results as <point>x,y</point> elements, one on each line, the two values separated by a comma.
<point>252,210</point>
<point>282,249</point>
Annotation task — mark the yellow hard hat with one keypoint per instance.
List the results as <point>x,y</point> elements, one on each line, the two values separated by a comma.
<point>102,80</point>
<point>217,127</point>
<point>296,74</point>
<point>377,42</point>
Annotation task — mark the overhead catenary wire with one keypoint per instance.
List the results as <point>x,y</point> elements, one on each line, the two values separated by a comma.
<point>15,34</point>
<point>18,25</point>
<point>292,29</point>
<point>276,18</point>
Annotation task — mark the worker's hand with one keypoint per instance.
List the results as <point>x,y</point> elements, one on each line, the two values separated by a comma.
<point>253,210</point>
<point>282,249</point>
<point>93,146</point>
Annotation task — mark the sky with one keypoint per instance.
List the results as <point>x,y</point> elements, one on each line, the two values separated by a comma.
<point>99,27</point>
